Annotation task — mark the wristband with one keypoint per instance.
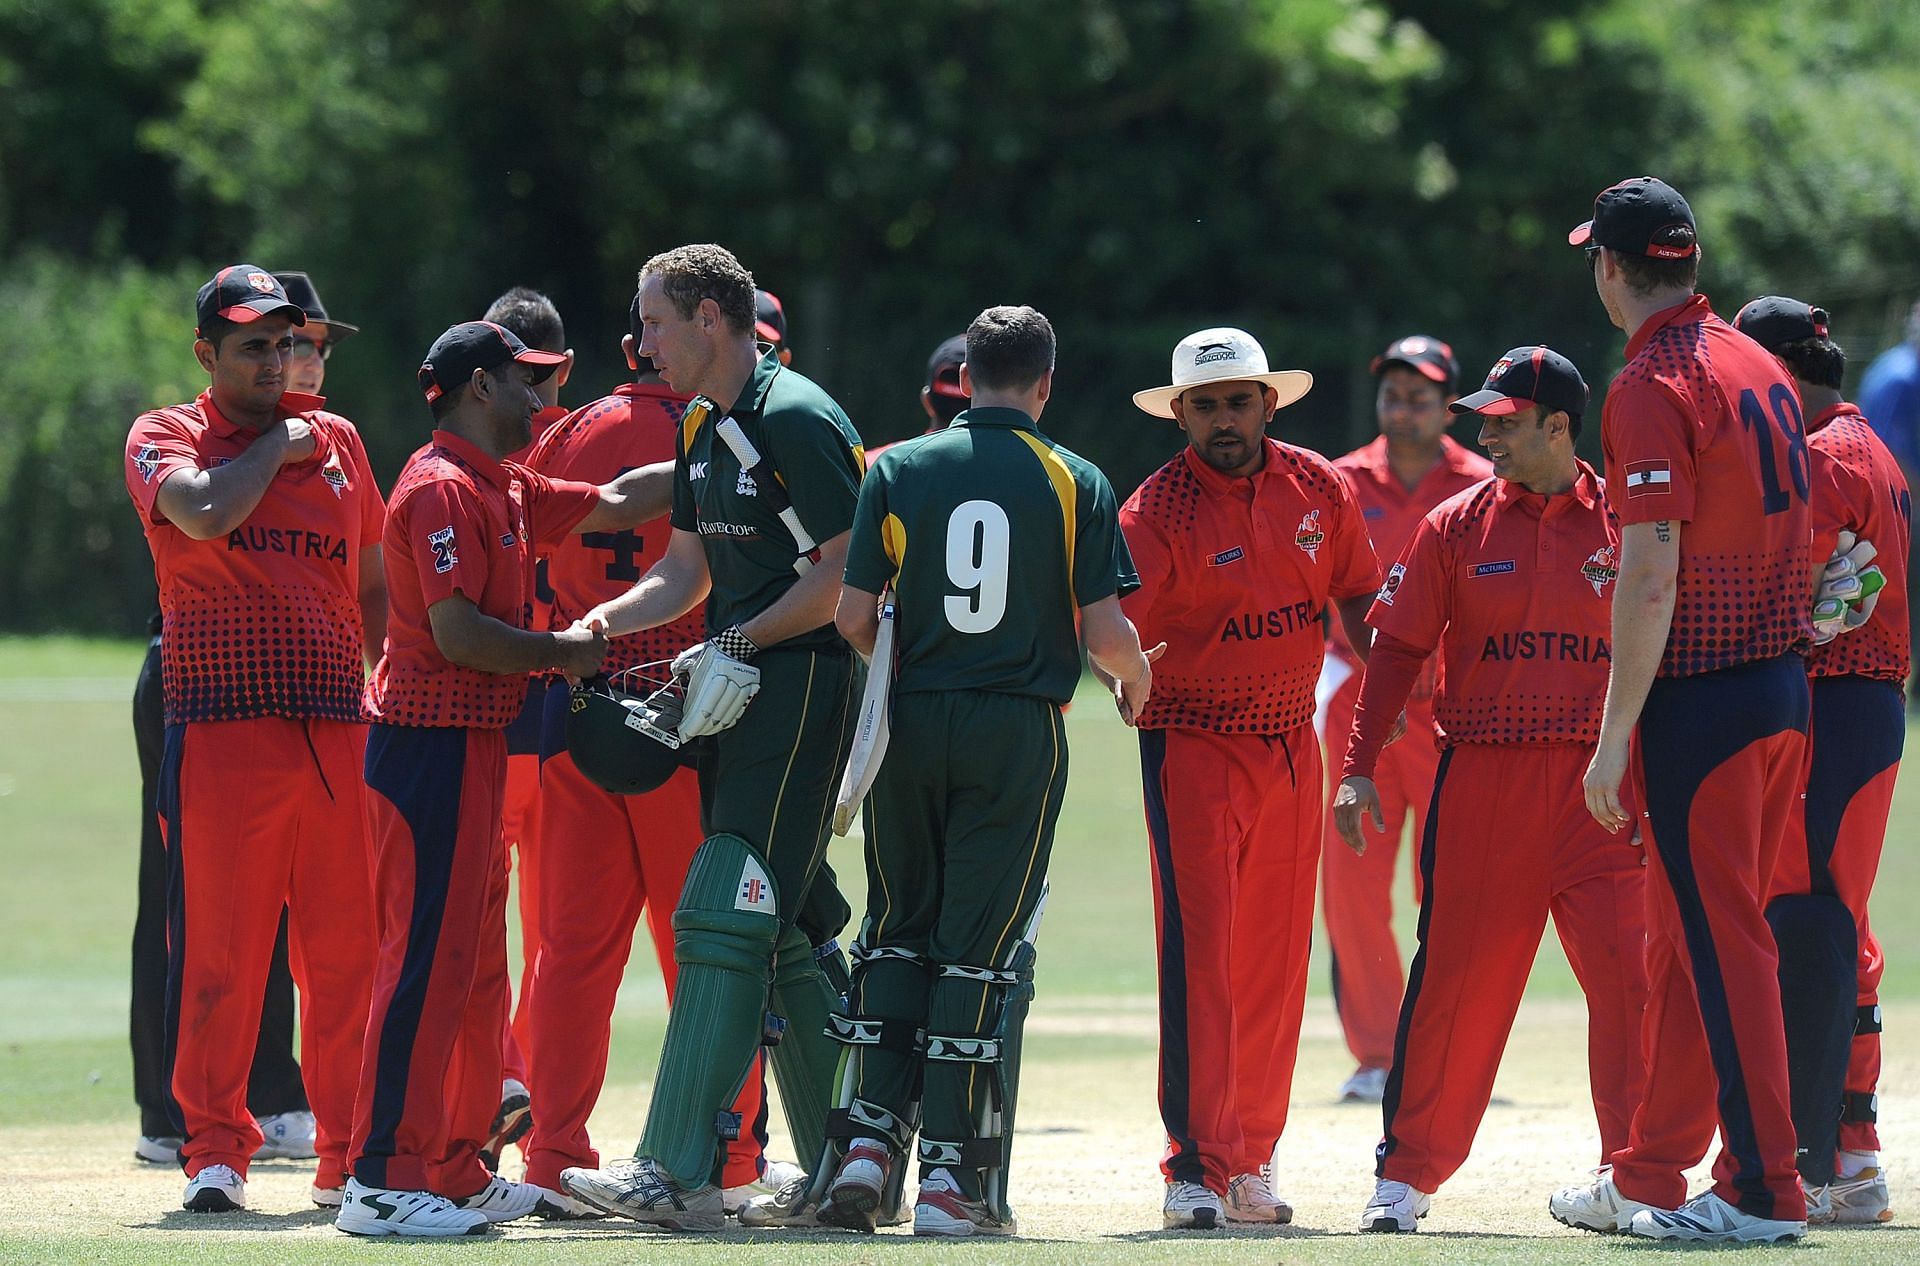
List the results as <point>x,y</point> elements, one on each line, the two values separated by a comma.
<point>735,644</point>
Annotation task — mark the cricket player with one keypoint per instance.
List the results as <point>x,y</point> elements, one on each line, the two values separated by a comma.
<point>1242,543</point>
<point>766,474</point>
<point>1411,467</point>
<point>607,859</point>
<point>314,342</point>
<point>1830,961</point>
<point>1707,702</point>
<point>942,398</point>
<point>1511,583</point>
<point>460,535</point>
<point>994,541</point>
<point>264,522</point>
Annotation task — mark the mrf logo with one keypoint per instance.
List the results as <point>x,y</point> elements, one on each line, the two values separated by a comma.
<point>1601,566</point>
<point>1308,535</point>
<point>147,462</point>
<point>441,543</point>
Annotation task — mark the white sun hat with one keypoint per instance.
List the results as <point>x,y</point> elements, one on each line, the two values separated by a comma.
<point>1223,354</point>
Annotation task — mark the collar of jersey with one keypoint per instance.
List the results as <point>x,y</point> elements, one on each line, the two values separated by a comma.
<point>753,397</point>
<point>292,405</point>
<point>1585,490</point>
<point>471,455</point>
<point>1215,482</point>
<point>648,391</point>
<point>995,415</point>
<point>1834,412</point>
<point>1691,310</point>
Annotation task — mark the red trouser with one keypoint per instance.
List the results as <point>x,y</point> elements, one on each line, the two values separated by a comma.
<point>1356,893</point>
<point>263,814</point>
<point>1234,823</point>
<point>430,1074</point>
<point>520,827</point>
<point>605,860</point>
<point>1722,760</point>
<point>1509,840</point>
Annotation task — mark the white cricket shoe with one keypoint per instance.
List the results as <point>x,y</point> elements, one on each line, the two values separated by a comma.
<point>1395,1207</point>
<point>788,1207</point>
<point>1861,1200</point>
<point>157,1150</point>
<point>215,1189</point>
<point>1190,1206</point>
<point>392,1211</point>
<point>511,1123</point>
<point>942,1210</point>
<point>557,1206</point>
<point>503,1201</point>
<point>777,1175</point>
<point>1707,1219</point>
<point>638,1188</point>
<point>853,1198</point>
<point>1367,1085</point>
<point>286,1136</point>
<point>1596,1207</point>
<point>328,1197</point>
<point>1250,1198</point>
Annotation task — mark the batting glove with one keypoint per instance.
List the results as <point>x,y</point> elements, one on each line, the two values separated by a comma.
<point>719,682</point>
<point>1849,589</point>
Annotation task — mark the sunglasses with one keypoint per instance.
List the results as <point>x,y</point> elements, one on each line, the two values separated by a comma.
<point>1593,256</point>
<point>307,349</point>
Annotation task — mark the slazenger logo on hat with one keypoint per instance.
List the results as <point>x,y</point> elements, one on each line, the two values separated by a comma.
<point>1214,351</point>
<point>1223,354</point>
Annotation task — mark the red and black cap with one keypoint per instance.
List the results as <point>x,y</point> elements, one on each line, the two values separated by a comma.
<point>241,293</point>
<point>1642,216</point>
<point>943,368</point>
<point>1424,355</point>
<point>475,345</point>
<point>769,317</point>
<point>1527,377</point>
<point>1773,321</point>
<point>301,290</point>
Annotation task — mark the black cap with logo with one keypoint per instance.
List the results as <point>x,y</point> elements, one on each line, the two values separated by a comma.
<point>1527,377</point>
<point>241,293</point>
<point>1773,321</point>
<point>1642,216</point>
<point>475,345</point>
<point>1425,355</point>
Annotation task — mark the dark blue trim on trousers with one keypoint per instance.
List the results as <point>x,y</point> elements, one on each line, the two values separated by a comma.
<point>1416,974</point>
<point>1175,1058</point>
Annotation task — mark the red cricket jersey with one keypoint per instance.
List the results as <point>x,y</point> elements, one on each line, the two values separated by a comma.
<point>1234,576</point>
<point>1703,427</point>
<point>1857,485</point>
<point>1392,512</point>
<point>1515,591</point>
<point>264,621</point>
<point>461,522</point>
<point>637,425</point>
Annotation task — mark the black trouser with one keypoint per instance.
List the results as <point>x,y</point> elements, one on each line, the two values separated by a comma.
<point>274,1084</point>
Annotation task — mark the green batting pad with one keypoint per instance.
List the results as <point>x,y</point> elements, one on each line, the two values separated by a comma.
<point>806,1062</point>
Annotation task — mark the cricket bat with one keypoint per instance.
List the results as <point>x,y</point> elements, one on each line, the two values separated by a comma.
<point>870,728</point>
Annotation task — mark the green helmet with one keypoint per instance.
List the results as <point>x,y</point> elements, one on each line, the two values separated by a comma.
<point>626,743</point>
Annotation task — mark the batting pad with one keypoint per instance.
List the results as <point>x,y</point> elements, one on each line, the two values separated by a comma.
<point>806,1062</point>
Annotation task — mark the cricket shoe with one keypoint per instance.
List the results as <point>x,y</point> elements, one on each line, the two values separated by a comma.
<point>638,1188</point>
<point>1191,1206</point>
<point>1861,1200</point>
<point>1367,1085</point>
<point>1395,1207</point>
<point>511,1123</point>
<point>788,1207</point>
<point>328,1197</point>
<point>503,1201</point>
<point>285,1136</point>
<point>853,1199</point>
<point>156,1150</point>
<point>215,1189</point>
<point>942,1210</point>
<point>368,1210</point>
<point>1250,1198</point>
<point>776,1175</point>
<point>557,1206</point>
<point>1598,1206</point>
<point>1707,1219</point>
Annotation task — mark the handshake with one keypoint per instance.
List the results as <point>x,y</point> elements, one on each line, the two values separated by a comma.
<point>1848,591</point>
<point>715,676</point>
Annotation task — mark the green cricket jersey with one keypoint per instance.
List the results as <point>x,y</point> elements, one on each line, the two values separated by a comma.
<point>799,429</point>
<point>993,537</point>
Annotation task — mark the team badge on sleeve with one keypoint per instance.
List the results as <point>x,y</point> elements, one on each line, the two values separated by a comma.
<point>1308,535</point>
<point>336,478</point>
<point>147,462</point>
<point>441,543</point>
<point>1395,574</point>
<point>1601,566</point>
<point>1646,479</point>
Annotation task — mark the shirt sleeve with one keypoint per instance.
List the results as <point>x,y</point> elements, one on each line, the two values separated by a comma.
<point>1152,557</point>
<point>157,447</point>
<point>556,506</point>
<point>873,553</point>
<point>444,528</point>
<point>1649,444</point>
<point>1102,565</point>
<point>1413,603</point>
<point>819,459</point>
<point>1356,570</point>
<point>1392,668</point>
<point>373,506</point>
<point>1840,499</point>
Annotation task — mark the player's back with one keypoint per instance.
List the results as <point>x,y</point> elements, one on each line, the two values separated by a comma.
<point>1859,486</point>
<point>983,522</point>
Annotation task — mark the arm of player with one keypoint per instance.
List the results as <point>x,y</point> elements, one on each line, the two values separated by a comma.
<point>1643,596</point>
<point>858,618</point>
<point>641,495</point>
<point>373,603</point>
<point>469,637</point>
<point>211,503</point>
<point>1113,644</point>
<point>1379,713</point>
<point>808,603</point>
<point>1353,622</point>
<point>669,590</point>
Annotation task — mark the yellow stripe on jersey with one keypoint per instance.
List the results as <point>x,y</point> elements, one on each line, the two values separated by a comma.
<point>893,539</point>
<point>697,411</point>
<point>1064,490</point>
<point>860,458</point>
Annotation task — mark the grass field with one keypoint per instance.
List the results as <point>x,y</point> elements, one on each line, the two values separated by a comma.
<point>1084,1178</point>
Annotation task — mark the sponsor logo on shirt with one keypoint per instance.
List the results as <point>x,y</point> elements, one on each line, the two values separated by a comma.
<point>441,543</point>
<point>744,486</point>
<point>1500,568</point>
<point>1646,479</point>
<point>696,470</point>
<point>1374,512</point>
<point>1601,566</point>
<point>1226,556</point>
<point>1308,535</point>
<point>147,462</point>
<point>1395,574</point>
<point>720,527</point>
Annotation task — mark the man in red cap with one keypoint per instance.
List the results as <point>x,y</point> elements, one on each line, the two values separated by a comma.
<point>1411,467</point>
<point>1707,703</point>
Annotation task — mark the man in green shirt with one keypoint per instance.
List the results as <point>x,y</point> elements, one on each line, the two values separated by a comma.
<point>758,898</point>
<point>992,539</point>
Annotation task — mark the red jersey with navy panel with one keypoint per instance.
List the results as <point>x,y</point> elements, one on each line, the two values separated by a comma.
<point>1703,427</point>
<point>264,621</point>
<point>1857,485</point>
<point>461,522</point>
<point>1235,575</point>
<point>638,425</point>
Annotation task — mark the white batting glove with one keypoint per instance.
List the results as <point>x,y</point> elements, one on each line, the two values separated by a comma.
<point>720,683</point>
<point>1849,589</point>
